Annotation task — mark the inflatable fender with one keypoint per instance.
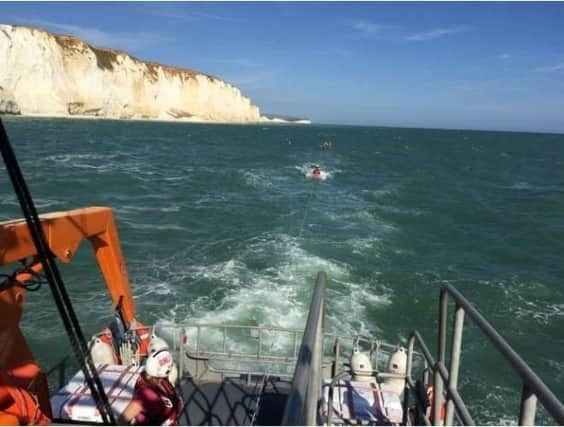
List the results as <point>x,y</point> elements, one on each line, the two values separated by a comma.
<point>397,364</point>
<point>156,344</point>
<point>101,352</point>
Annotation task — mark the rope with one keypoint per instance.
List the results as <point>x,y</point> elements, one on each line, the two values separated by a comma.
<point>55,281</point>
<point>31,285</point>
<point>309,197</point>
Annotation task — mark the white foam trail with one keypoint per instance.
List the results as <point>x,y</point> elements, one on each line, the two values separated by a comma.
<point>352,219</point>
<point>278,295</point>
<point>121,208</point>
<point>157,227</point>
<point>259,180</point>
<point>363,245</point>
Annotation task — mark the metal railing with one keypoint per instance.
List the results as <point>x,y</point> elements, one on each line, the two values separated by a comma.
<point>232,349</point>
<point>60,374</point>
<point>201,330</point>
<point>301,408</point>
<point>533,388</point>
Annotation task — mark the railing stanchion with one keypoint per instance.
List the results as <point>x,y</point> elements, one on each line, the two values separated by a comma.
<point>443,314</point>
<point>528,407</point>
<point>408,369</point>
<point>301,406</point>
<point>438,382</point>
<point>454,360</point>
<point>438,388</point>
<point>314,386</point>
<point>181,352</point>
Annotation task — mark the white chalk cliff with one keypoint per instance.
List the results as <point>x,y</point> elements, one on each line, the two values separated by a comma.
<point>46,74</point>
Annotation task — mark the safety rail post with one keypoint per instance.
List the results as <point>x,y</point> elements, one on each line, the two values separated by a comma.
<point>337,351</point>
<point>454,360</point>
<point>198,331</point>
<point>443,314</point>
<point>182,350</point>
<point>314,385</point>
<point>409,380</point>
<point>528,407</point>
<point>438,383</point>
<point>301,407</point>
<point>409,365</point>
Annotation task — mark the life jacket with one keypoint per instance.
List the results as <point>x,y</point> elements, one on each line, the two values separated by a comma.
<point>18,406</point>
<point>165,412</point>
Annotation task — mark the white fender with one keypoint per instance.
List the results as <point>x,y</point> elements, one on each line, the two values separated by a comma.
<point>101,352</point>
<point>361,366</point>
<point>397,364</point>
<point>156,343</point>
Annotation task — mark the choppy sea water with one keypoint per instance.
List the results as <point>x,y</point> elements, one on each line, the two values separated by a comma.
<point>221,223</point>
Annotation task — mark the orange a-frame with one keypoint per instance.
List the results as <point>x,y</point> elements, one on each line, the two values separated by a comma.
<point>64,231</point>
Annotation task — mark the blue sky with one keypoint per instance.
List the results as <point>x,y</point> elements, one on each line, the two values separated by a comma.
<point>447,65</point>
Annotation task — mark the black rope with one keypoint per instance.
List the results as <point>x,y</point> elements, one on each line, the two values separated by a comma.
<point>31,285</point>
<point>55,281</point>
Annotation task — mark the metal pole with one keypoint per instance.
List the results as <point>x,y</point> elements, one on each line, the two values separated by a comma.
<point>437,397</point>
<point>304,393</point>
<point>454,361</point>
<point>443,313</point>
<point>528,407</point>
<point>409,364</point>
<point>408,368</point>
<point>438,387</point>
<point>314,386</point>
<point>337,355</point>
<point>181,352</point>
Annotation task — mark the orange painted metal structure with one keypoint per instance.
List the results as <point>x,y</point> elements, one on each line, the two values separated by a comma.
<point>64,231</point>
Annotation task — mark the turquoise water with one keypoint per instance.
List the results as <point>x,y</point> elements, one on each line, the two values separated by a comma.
<point>219,223</point>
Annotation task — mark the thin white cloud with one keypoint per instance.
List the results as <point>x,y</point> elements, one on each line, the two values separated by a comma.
<point>549,69</point>
<point>344,53</point>
<point>190,16</point>
<point>239,62</point>
<point>367,27</point>
<point>504,56</point>
<point>372,30</point>
<point>214,16</point>
<point>437,33</point>
<point>114,40</point>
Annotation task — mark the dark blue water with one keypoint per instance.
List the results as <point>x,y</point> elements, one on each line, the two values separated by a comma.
<point>219,223</point>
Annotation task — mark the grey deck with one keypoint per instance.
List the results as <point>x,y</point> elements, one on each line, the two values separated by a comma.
<point>234,401</point>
